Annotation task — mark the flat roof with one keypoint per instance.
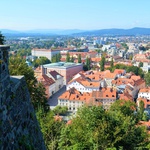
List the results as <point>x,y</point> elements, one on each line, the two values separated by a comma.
<point>62,65</point>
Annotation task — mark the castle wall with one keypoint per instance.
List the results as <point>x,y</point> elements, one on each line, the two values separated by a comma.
<point>19,129</point>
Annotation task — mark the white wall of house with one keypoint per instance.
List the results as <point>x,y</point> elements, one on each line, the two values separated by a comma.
<point>59,83</point>
<point>52,89</point>
<point>72,105</point>
<point>81,88</point>
<point>144,95</point>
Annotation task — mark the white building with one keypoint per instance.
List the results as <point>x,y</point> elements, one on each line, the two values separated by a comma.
<point>44,52</point>
<point>73,99</point>
<point>84,85</point>
<point>58,78</point>
<point>144,93</point>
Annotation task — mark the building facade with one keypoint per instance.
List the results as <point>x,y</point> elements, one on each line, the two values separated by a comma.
<point>67,70</point>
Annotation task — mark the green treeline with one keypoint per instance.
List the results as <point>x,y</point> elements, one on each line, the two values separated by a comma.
<point>96,129</point>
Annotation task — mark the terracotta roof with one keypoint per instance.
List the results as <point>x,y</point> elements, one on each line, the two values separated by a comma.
<point>125,96</point>
<point>54,74</point>
<point>134,77</point>
<point>95,59</point>
<point>45,80</point>
<point>69,122</point>
<point>121,81</point>
<point>119,71</point>
<point>105,93</point>
<point>110,75</point>
<point>74,95</point>
<point>145,123</point>
<point>145,90</point>
<point>90,84</point>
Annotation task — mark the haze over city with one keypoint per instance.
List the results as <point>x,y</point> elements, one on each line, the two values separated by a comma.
<point>74,14</point>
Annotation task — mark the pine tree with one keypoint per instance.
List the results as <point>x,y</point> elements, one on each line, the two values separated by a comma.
<point>68,57</point>
<point>2,40</point>
<point>102,63</point>
<point>88,63</point>
<point>72,59</point>
<point>112,63</point>
<point>79,58</point>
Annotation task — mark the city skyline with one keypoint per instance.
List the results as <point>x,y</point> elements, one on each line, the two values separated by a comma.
<point>75,14</point>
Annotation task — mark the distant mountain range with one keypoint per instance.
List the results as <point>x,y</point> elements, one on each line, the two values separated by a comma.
<point>133,31</point>
<point>54,32</point>
<point>77,32</point>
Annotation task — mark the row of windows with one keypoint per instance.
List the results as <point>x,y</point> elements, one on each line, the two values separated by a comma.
<point>143,93</point>
<point>70,101</point>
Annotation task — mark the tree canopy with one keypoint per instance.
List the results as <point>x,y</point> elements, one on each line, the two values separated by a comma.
<point>17,66</point>
<point>41,61</point>
<point>2,39</point>
<point>94,128</point>
<point>102,63</point>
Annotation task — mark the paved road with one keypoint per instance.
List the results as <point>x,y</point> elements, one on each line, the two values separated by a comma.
<point>54,100</point>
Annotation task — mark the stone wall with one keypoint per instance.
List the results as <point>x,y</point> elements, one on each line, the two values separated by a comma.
<point>19,129</point>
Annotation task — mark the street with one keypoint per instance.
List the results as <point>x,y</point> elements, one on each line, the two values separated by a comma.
<point>53,101</point>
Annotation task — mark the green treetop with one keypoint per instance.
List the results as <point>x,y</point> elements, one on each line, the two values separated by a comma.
<point>2,40</point>
<point>79,58</point>
<point>68,57</point>
<point>102,63</point>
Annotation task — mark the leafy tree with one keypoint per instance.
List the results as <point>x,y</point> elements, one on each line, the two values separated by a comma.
<point>24,52</point>
<point>72,59</point>
<point>102,63</point>
<point>142,48</point>
<point>54,59</point>
<point>85,68</point>
<point>130,57</point>
<point>41,61</point>
<point>68,57</point>
<point>125,46</point>
<point>95,128</point>
<point>141,110</point>
<point>112,63</point>
<point>79,58</point>
<point>2,40</point>
<point>17,66</point>
<point>141,64</point>
<point>88,63</point>
<point>60,110</point>
<point>58,57</point>
<point>50,128</point>
<point>145,116</point>
<point>147,78</point>
<point>136,70</point>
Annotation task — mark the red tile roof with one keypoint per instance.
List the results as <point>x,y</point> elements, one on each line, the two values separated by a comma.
<point>45,80</point>
<point>54,74</point>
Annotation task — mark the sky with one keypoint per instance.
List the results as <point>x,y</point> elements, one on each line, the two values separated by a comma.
<point>74,14</point>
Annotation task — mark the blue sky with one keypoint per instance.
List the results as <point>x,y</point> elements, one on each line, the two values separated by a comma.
<point>74,14</point>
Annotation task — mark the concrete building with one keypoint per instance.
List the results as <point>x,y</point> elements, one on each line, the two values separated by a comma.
<point>58,78</point>
<point>67,70</point>
<point>44,52</point>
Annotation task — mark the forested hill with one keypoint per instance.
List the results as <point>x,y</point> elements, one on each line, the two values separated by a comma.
<point>76,32</point>
<point>133,31</point>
